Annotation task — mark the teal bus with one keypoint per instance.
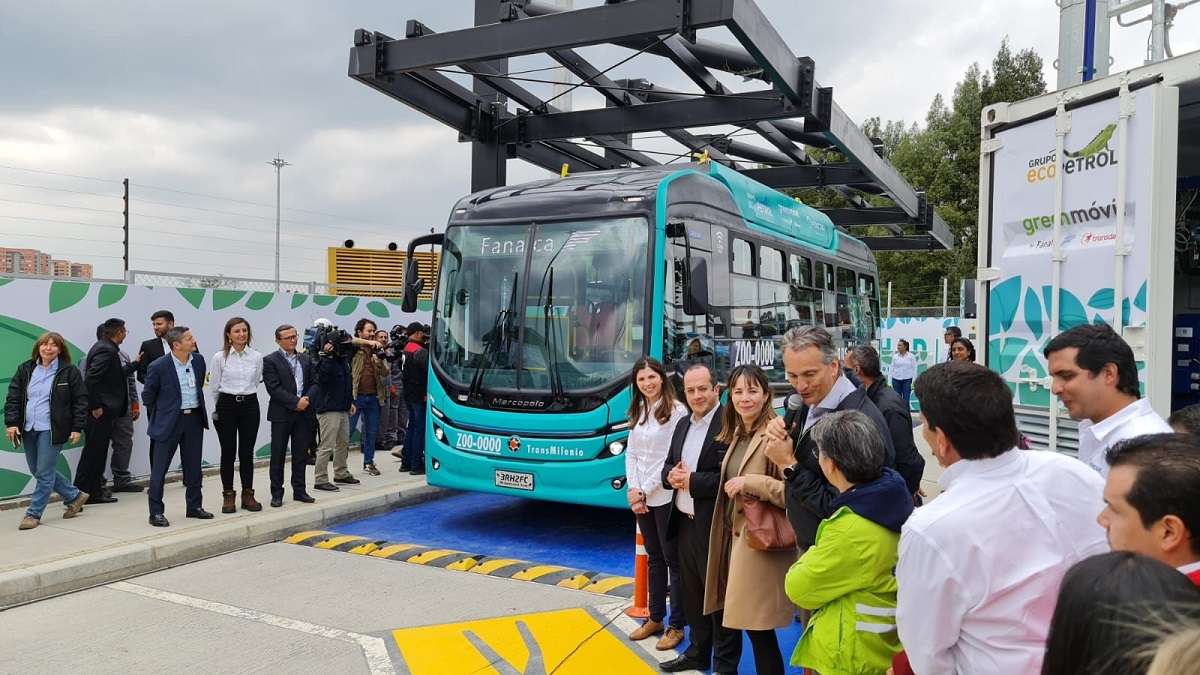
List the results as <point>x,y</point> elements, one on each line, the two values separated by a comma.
<point>547,292</point>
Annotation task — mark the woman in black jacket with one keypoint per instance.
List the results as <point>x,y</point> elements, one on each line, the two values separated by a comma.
<point>47,407</point>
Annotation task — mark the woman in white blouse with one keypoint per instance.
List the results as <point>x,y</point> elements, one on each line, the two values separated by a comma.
<point>904,369</point>
<point>234,375</point>
<point>653,413</point>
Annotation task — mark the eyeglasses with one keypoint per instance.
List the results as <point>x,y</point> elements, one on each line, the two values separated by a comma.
<point>288,337</point>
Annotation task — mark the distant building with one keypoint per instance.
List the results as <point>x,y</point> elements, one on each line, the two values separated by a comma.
<point>35,263</point>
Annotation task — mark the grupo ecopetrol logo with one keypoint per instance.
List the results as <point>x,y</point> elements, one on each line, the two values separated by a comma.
<point>1094,155</point>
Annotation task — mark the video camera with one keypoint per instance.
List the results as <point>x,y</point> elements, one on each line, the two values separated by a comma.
<point>394,351</point>
<point>323,332</point>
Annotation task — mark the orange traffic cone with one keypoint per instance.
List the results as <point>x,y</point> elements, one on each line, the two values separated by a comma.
<point>641,579</point>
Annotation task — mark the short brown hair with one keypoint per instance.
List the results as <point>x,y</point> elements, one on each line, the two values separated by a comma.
<point>63,352</point>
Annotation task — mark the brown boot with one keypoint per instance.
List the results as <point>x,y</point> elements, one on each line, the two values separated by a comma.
<point>646,630</point>
<point>248,501</point>
<point>229,503</point>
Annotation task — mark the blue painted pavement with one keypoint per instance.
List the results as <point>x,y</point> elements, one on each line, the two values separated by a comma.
<point>588,538</point>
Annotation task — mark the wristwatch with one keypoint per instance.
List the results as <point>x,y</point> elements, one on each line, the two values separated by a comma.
<point>790,471</point>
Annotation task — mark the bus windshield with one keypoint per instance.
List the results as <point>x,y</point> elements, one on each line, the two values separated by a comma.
<point>542,306</point>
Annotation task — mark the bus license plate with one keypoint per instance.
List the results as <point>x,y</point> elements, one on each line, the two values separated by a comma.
<point>514,479</point>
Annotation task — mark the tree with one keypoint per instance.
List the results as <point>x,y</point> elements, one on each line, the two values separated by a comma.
<point>942,159</point>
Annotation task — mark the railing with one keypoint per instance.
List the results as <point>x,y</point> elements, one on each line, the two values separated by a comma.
<point>146,278</point>
<point>951,311</point>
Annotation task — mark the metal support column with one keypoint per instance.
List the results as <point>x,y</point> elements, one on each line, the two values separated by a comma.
<point>489,158</point>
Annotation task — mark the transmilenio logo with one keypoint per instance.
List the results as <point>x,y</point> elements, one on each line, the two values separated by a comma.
<point>1095,155</point>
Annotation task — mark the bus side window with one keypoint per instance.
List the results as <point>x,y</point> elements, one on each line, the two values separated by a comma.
<point>743,257</point>
<point>800,270</point>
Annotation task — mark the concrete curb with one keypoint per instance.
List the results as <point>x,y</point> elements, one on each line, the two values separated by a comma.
<point>122,561</point>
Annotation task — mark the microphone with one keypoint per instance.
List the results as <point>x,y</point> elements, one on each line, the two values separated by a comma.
<point>794,404</point>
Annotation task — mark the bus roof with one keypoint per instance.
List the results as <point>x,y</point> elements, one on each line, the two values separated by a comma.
<point>763,208</point>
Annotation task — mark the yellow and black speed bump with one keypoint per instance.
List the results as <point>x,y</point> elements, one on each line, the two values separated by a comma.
<point>511,568</point>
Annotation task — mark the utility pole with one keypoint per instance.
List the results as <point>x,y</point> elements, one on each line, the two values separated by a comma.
<point>125,227</point>
<point>278,164</point>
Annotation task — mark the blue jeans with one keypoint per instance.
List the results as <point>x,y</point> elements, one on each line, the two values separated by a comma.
<point>367,407</point>
<point>414,436</point>
<point>904,388</point>
<point>42,457</point>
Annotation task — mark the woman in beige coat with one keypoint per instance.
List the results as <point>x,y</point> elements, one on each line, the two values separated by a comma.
<point>744,586</point>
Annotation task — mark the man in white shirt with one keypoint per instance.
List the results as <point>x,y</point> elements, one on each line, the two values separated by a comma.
<point>981,564</point>
<point>1150,500</point>
<point>1095,377</point>
<point>693,471</point>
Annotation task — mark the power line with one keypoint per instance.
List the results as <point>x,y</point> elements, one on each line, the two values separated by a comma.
<point>228,227</point>
<point>232,239</point>
<point>62,222</point>
<point>43,235</point>
<point>212,250</point>
<point>76,192</point>
<point>56,173</point>
<point>59,206</point>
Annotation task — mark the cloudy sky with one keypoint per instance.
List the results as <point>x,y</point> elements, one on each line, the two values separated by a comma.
<point>190,101</point>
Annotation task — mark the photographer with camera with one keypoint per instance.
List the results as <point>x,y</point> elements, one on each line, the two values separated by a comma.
<point>368,376</point>
<point>391,420</point>
<point>332,399</point>
<point>416,379</point>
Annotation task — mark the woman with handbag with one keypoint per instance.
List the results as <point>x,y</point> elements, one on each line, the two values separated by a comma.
<point>653,414</point>
<point>847,576</point>
<point>751,545</point>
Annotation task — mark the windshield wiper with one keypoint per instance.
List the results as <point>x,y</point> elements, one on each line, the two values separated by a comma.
<point>500,335</point>
<point>551,343</point>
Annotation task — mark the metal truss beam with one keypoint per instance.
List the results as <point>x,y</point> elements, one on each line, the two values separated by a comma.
<point>500,83</point>
<point>699,111</point>
<point>902,242</point>
<point>578,28</point>
<point>813,175</point>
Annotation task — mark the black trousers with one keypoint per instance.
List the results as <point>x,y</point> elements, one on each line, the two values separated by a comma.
<point>188,437</point>
<point>768,660</point>
<point>664,566</point>
<point>296,433</point>
<point>237,429</point>
<point>692,544</point>
<point>89,473</point>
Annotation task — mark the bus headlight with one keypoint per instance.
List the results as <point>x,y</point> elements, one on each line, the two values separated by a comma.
<point>616,447</point>
<point>438,433</point>
<point>618,483</point>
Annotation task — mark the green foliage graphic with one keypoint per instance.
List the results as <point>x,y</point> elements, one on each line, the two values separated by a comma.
<point>12,483</point>
<point>259,300</point>
<point>223,299</point>
<point>378,309</point>
<point>65,294</point>
<point>298,299</point>
<point>346,306</point>
<point>194,296</point>
<point>111,294</point>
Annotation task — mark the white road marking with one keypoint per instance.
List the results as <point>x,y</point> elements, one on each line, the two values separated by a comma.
<point>374,648</point>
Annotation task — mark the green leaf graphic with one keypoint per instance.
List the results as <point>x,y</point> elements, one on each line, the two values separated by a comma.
<point>1071,313</point>
<point>1033,313</point>
<point>346,306</point>
<point>1002,354</point>
<point>16,344</point>
<point>378,309</point>
<point>12,483</point>
<point>5,281</point>
<point>1005,297</point>
<point>395,301</point>
<point>324,300</point>
<point>64,294</point>
<point>63,468</point>
<point>259,300</point>
<point>425,305</point>
<point>1139,300</point>
<point>223,299</point>
<point>263,452</point>
<point>1102,299</point>
<point>111,294</point>
<point>1125,312</point>
<point>298,299</point>
<point>194,296</point>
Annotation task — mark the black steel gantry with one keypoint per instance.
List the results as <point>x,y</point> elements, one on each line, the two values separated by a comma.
<point>789,110</point>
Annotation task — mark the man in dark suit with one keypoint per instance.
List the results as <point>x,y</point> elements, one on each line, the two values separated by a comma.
<point>108,400</point>
<point>174,399</point>
<point>693,470</point>
<point>811,362</point>
<point>289,378</point>
<point>150,351</point>
<point>864,360</point>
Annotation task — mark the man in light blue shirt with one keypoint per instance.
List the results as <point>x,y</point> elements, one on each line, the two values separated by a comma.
<point>176,412</point>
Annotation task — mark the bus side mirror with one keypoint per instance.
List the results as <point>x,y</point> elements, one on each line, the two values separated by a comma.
<point>695,297</point>
<point>413,284</point>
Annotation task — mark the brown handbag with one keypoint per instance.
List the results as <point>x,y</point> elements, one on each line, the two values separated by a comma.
<point>767,526</point>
